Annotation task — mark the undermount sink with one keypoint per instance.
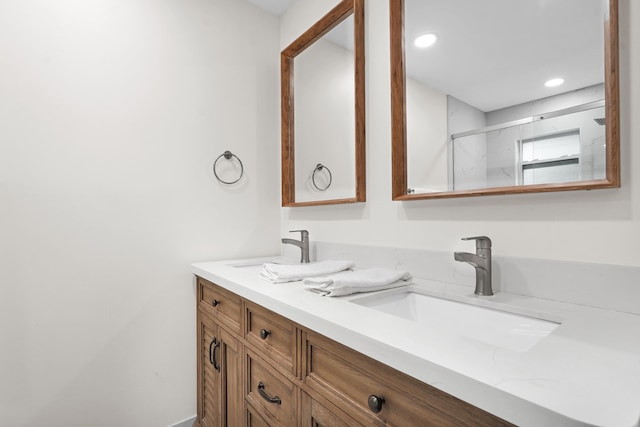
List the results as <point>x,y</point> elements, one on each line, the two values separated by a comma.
<point>495,327</point>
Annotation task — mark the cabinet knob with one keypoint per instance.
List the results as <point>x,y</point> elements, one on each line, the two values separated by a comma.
<point>215,302</point>
<point>375,403</point>
<point>264,333</point>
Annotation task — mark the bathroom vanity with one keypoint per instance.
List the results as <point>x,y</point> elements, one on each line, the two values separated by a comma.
<point>261,368</point>
<point>276,354</point>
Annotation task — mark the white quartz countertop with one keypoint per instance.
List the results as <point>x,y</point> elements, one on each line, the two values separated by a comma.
<point>586,372</point>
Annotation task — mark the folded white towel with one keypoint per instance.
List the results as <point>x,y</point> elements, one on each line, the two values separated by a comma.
<point>351,282</point>
<point>279,273</point>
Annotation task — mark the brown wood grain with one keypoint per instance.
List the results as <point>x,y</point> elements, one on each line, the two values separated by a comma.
<point>612,94</point>
<point>229,305</point>
<point>398,101</point>
<point>275,385</point>
<point>280,343</point>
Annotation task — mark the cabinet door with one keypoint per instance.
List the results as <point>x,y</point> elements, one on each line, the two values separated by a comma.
<point>231,356</point>
<point>209,385</point>
<point>220,395</point>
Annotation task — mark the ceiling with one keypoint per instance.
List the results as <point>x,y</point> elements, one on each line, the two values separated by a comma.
<point>496,53</point>
<point>276,7</point>
<point>493,54</point>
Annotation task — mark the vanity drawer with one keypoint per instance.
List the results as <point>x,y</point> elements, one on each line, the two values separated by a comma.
<point>272,335</point>
<point>223,305</point>
<point>269,391</point>
<point>350,380</point>
<point>255,420</point>
<point>313,413</point>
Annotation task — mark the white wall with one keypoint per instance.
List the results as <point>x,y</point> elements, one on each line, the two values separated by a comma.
<point>592,226</point>
<point>427,168</point>
<point>301,15</point>
<point>111,115</point>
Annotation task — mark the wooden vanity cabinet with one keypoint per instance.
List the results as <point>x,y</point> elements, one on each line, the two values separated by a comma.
<point>376,394</point>
<point>257,368</point>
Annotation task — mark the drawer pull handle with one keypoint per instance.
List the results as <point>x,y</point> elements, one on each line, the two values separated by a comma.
<point>215,302</point>
<point>265,396</point>
<point>211,350</point>
<point>212,353</point>
<point>375,403</point>
<point>264,333</point>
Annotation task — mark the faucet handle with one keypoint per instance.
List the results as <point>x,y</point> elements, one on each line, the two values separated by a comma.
<point>482,242</point>
<point>304,234</point>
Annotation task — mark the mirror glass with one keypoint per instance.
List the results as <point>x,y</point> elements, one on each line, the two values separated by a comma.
<point>323,111</point>
<point>503,96</point>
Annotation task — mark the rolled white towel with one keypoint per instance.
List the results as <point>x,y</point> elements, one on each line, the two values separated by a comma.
<point>351,282</point>
<point>279,273</point>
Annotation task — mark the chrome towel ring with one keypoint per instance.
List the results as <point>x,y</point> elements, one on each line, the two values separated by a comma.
<point>319,168</point>
<point>228,155</point>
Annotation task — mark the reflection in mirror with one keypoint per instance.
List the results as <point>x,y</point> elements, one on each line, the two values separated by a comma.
<point>324,69</point>
<point>471,112</point>
<point>324,112</point>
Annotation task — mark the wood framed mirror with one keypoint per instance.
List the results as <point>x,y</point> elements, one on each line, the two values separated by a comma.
<point>471,115</point>
<point>323,111</point>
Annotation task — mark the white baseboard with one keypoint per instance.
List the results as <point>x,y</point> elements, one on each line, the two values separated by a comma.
<point>187,422</point>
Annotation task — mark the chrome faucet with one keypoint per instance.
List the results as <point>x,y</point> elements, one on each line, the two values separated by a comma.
<point>303,244</point>
<point>481,260</point>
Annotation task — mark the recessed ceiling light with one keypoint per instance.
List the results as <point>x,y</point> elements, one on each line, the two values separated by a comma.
<point>425,40</point>
<point>554,82</point>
